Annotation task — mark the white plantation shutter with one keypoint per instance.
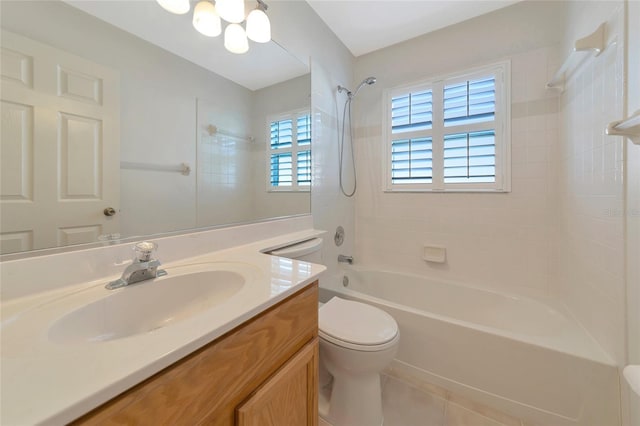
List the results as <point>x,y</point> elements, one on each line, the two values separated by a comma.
<point>470,157</point>
<point>450,134</point>
<point>303,158</point>
<point>290,152</point>
<point>411,158</point>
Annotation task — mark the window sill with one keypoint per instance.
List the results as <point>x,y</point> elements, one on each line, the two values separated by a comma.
<point>448,191</point>
<point>287,191</point>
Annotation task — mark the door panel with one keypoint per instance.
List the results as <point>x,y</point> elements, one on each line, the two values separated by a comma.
<point>60,146</point>
<point>16,162</point>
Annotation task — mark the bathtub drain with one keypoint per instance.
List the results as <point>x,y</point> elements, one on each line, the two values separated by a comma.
<point>345,281</point>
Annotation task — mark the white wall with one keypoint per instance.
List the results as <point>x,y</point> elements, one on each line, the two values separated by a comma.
<point>225,172</point>
<point>492,240</point>
<point>591,237</point>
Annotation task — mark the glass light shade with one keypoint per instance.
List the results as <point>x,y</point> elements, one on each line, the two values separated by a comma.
<point>206,20</point>
<point>235,39</point>
<point>258,26</point>
<point>231,10</point>
<point>179,7</point>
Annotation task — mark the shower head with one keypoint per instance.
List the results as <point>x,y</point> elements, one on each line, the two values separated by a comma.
<point>368,81</point>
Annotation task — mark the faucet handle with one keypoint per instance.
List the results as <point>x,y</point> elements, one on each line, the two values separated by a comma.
<point>144,250</point>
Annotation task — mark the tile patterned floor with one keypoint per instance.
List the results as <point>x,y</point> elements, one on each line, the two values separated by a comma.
<point>406,405</point>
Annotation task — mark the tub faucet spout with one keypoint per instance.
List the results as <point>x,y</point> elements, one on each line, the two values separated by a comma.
<point>345,259</point>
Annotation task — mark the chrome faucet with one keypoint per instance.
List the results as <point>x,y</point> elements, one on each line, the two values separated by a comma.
<point>142,268</point>
<point>345,259</point>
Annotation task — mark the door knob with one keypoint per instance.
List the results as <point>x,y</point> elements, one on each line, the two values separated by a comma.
<point>109,211</point>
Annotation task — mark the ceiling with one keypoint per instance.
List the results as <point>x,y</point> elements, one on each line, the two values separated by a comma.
<point>365,26</point>
<point>264,65</point>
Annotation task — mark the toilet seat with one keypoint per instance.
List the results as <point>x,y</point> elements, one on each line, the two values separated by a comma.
<point>356,325</point>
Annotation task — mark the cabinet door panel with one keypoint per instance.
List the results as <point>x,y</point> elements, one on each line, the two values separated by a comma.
<point>288,398</point>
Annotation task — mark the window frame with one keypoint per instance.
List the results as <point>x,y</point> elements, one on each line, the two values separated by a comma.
<point>501,126</point>
<point>295,149</point>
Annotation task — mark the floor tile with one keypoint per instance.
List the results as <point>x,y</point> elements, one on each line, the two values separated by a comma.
<point>404,405</point>
<point>459,416</point>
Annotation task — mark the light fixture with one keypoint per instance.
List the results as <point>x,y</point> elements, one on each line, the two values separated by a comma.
<point>231,10</point>
<point>235,39</point>
<point>206,19</point>
<point>179,7</point>
<point>258,25</point>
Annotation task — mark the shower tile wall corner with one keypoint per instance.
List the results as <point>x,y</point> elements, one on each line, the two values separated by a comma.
<point>330,208</point>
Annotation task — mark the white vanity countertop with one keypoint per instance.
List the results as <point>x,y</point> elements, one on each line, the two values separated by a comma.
<point>51,383</point>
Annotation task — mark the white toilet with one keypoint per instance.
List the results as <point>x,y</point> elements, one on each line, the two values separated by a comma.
<point>357,341</point>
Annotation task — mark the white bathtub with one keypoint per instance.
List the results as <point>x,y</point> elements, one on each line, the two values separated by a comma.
<point>526,357</point>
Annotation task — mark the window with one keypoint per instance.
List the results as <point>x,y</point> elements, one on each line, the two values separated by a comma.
<point>290,152</point>
<point>450,134</point>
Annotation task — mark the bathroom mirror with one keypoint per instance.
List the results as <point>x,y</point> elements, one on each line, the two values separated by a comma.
<point>107,134</point>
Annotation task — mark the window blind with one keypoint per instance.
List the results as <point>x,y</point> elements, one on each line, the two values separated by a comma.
<point>470,157</point>
<point>304,168</point>
<point>281,134</point>
<point>472,101</point>
<point>411,160</point>
<point>304,130</point>
<point>281,169</point>
<point>411,112</point>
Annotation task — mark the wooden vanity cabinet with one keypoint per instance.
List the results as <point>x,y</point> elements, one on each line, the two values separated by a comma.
<point>262,373</point>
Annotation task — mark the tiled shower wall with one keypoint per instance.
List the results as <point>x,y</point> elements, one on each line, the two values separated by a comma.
<point>493,240</point>
<point>591,237</point>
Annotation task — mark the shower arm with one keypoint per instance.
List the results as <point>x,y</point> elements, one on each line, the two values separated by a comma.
<point>367,81</point>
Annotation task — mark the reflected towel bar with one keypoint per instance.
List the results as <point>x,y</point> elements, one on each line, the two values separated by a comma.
<point>214,130</point>
<point>183,168</point>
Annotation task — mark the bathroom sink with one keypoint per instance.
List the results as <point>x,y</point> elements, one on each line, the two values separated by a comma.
<point>150,305</point>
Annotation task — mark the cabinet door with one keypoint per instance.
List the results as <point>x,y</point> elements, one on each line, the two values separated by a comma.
<point>289,397</point>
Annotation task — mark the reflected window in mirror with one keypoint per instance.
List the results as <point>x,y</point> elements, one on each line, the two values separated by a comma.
<point>289,152</point>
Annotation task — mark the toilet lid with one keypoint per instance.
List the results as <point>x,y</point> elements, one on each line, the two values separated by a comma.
<point>356,322</point>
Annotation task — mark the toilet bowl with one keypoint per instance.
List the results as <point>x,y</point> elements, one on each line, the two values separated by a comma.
<point>357,342</point>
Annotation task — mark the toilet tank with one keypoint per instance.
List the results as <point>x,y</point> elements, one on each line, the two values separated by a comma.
<point>308,251</point>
